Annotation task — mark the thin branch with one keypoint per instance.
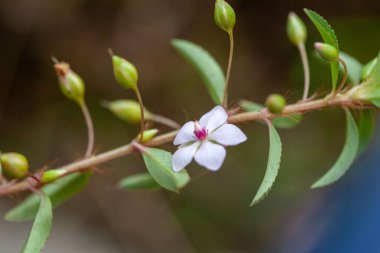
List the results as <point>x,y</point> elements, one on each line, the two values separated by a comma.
<point>306,70</point>
<point>298,108</point>
<point>90,128</point>
<point>228,73</point>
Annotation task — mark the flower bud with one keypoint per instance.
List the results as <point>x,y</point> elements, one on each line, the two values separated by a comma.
<point>275,103</point>
<point>14,165</point>
<point>71,84</point>
<point>327,51</point>
<point>148,135</point>
<point>224,16</point>
<point>127,110</point>
<point>52,175</point>
<point>125,72</point>
<point>296,29</point>
<point>367,69</point>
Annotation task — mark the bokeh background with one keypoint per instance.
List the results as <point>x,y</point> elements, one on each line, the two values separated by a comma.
<point>212,213</point>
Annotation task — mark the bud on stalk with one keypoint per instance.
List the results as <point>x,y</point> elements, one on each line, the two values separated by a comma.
<point>327,51</point>
<point>275,103</point>
<point>296,29</point>
<point>14,165</point>
<point>224,16</point>
<point>71,84</point>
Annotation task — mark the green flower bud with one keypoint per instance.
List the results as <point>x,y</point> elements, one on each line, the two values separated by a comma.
<point>125,72</point>
<point>224,16</point>
<point>275,103</point>
<point>367,69</point>
<point>327,51</point>
<point>52,175</point>
<point>71,84</point>
<point>296,29</point>
<point>14,165</point>
<point>148,135</point>
<point>127,110</point>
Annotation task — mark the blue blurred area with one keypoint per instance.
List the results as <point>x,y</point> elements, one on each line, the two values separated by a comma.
<point>347,219</point>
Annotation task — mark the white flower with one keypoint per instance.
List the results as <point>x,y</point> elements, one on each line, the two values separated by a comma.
<point>205,140</point>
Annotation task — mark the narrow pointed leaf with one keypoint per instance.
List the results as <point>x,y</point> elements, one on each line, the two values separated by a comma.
<point>329,37</point>
<point>354,67</point>
<point>41,226</point>
<point>347,156</point>
<point>366,125</point>
<point>58,192</point>
<point>159,165</point>
<point>139,181</point>
<point>287,122</point>
<point>274,159</point>
<point>206,66</point>
<point>371,86</point>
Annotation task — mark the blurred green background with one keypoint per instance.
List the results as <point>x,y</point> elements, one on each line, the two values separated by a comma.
<point>212,214</point>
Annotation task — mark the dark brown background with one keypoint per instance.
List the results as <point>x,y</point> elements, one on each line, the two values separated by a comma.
<point>212,214</point>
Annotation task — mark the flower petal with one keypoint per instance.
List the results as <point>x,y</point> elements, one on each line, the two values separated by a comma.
<point>210,155</point>
<point>228,135</point>
<point>183,156</point>
<point>185,134</point>
<point>214,118</point>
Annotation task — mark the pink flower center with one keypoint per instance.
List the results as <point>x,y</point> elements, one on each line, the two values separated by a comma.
<point>199,131</point>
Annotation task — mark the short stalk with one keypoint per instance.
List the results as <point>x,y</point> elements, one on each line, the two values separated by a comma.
<point>306,70</point>
<point>90,128</point>
<point>164,121</point>
<point>142,120</point>
<point>228,73</point>
<point>344,79</point>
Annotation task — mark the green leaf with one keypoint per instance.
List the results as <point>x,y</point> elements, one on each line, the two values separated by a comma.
<point>281,122</point>
<point>274,159</point>
<point>366,125</point>
<point>206,66</point>
<point>354,67</point>
<point>159,165</point>
<point>374,78</point>
<point>139,182</point>
<point>288,121</point>
<point>249,106</point>
<point>370,88</point>
<point>329,37</point>
<point>41,226</point>
<point>347,156</point>
<point>58,192</point>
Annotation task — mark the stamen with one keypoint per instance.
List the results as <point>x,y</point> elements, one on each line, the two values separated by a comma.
<point>199,131</point>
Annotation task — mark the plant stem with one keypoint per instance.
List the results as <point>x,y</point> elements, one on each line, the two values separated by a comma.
<point>306,70</point>
<point>142,120</point>
<point>89,162</point>
<point>164,121</point>
<point>90,128</point>
<point>344,79</point>
<point>228,73</point>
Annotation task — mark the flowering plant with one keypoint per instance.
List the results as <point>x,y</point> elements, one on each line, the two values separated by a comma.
<point>204,140</point>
